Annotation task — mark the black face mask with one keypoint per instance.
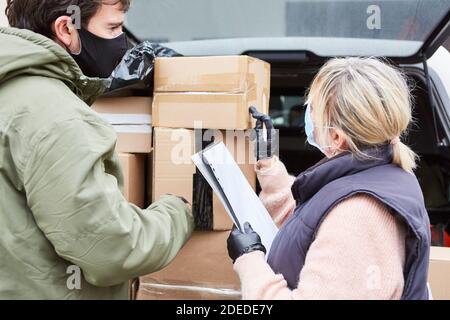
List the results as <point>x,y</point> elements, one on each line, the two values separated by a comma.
<point>99,56</point>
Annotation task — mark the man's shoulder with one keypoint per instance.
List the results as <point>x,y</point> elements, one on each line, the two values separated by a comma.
<point>34,110</point>
<point>43,101</point>
<point>32,106</point>
<point>40,91</point>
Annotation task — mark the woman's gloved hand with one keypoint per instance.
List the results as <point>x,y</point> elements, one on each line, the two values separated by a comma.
<point>241,243</point>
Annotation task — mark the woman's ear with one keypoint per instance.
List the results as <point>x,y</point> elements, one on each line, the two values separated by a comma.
<point>66,34</point>
<point>338,140</point>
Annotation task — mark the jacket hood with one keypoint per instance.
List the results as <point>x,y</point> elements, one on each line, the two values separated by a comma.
<point>24,52</point>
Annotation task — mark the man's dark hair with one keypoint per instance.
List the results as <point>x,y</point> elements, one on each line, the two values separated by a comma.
<point>39,15</point>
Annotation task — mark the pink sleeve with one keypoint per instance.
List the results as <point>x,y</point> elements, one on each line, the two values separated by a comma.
<point>358,254</point>
<point>276,186</point>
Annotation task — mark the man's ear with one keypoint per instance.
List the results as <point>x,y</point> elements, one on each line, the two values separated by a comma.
<point>66,34</point>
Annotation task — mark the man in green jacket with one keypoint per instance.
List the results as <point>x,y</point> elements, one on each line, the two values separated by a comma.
<point>66,231</point>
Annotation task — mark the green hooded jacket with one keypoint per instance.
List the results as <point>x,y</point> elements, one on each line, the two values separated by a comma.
<point>66,231</point>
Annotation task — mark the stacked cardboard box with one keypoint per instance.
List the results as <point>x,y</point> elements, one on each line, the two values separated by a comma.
<point>194,94</point>
<point>197,101</point>
<point>133,167</point>
<point>215,91</point>
<point>131,118</point>
<point>175,173</point>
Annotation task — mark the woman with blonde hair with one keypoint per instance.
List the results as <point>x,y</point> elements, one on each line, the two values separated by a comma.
<point>354,226</point>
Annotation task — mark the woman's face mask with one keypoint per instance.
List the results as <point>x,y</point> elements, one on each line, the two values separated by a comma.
<point>309,130</point>
<point>99,56</point>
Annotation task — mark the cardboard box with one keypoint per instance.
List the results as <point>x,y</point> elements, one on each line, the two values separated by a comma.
<point>202,270</point>
<point>232,74</point>
<point>125,110</point>
<point>175,173</point>
<point>131,118</point>
<point>215,91</point>
<point>204,110</point>
<point>149,180</point>
<point>133,139</point>
<point>439,273</point>
<point>133,167</point>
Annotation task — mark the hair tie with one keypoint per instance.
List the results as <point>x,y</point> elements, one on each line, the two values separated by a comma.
<point>395,141</point>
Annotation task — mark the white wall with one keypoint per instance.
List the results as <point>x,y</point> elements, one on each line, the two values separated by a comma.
<point>3,21</point>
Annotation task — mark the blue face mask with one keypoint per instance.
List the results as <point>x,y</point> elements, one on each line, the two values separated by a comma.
<point>309,130</point>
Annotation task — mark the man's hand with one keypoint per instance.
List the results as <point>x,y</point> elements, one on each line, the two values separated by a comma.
<point>241,243</point>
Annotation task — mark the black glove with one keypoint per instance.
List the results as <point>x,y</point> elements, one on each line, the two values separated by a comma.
<point>241,243</point>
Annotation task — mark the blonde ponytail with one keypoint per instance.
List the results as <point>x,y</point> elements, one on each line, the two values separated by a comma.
<point>404,157</point>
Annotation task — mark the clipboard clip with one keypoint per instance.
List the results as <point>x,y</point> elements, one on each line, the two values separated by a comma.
<point>264,144</point>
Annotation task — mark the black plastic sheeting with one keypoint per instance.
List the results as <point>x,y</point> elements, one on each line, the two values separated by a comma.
<point>136,70</point>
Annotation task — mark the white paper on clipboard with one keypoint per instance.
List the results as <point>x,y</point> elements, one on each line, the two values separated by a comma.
<point>226,179</point>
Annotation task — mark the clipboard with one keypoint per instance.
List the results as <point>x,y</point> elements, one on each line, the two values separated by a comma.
<point>242,204</point>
